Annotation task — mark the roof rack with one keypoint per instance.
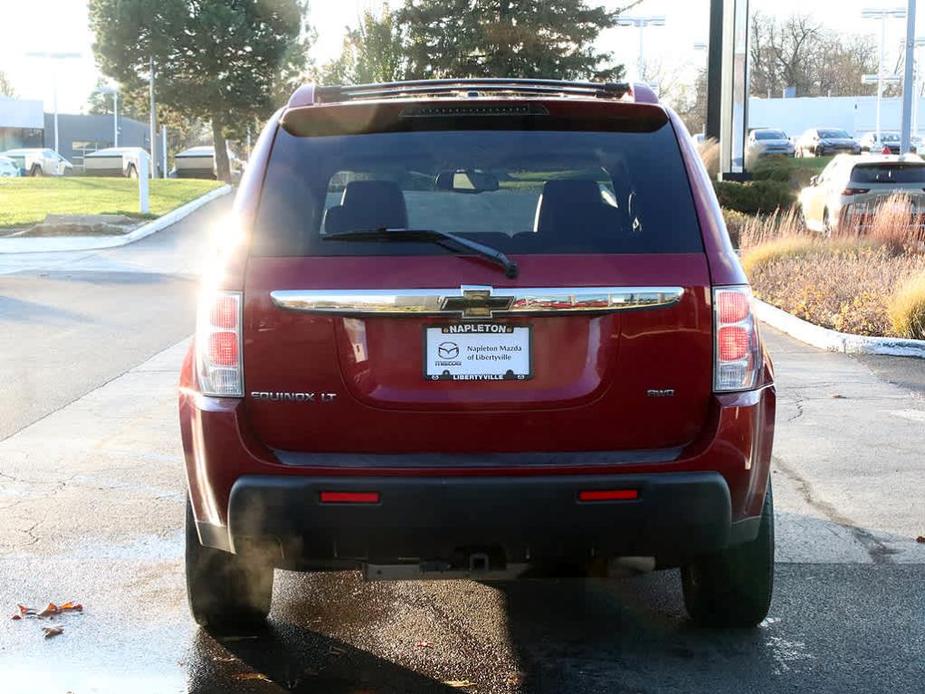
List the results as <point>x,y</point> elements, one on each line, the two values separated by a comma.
<point>311,94</point>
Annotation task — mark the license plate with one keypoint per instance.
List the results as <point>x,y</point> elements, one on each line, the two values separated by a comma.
<point>477,352</point>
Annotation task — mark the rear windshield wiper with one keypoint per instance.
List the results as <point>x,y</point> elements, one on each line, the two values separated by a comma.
<point>443,238</point>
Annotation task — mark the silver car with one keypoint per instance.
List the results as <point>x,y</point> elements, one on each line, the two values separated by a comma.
<point>850,187</point>
<point>763,142</point>
<point>39,161</point>
<point>8,168</point>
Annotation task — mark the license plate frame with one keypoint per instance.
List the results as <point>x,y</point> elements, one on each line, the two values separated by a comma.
<point>442,364</point>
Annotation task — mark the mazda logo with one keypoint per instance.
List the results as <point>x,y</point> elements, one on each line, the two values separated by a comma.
<point>448,350</point>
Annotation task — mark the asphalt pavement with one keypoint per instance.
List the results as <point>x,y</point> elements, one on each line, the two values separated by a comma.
<point>91,509</point>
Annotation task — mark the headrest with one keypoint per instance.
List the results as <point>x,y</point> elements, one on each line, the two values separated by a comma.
<point>368,205</point>
<point>564,201</point>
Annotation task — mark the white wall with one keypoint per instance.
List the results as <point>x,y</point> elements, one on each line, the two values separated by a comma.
<point>856,114</point>
<point>19,113</point>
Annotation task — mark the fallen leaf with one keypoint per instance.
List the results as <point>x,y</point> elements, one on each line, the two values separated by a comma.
<point>839,397</point>
<point>459,684</point>
<point>52,631</point>
<point>17,616</point>
<point>25,611</point>
<point>920,539</point>
<point>424,644</point>
<point>71,606</point>
<point>250,676</point>
<point>49,610</point>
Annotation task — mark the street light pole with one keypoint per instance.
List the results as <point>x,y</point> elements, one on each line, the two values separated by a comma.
<point>908,88</point>
<point>882,15</point>
<point>54,80</point>
<point>641,23</point>
<point>152,121</point>
<point>115,117</point>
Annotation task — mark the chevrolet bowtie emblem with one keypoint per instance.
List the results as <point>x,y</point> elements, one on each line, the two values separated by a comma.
<point>477,303</point>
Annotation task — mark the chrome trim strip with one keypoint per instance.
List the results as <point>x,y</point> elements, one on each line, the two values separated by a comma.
<point>475,301</point>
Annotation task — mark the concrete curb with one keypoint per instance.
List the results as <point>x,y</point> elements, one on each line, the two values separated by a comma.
<point>93,243</point>
<point>834,341</point>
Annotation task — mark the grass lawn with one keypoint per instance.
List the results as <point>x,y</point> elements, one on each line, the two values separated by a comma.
<point>26,201</point>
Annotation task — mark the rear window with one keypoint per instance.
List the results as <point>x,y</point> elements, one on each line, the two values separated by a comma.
<point>834,134</point>
<point>889,172</point>
<point>519,191</point>
<point>770,135</point>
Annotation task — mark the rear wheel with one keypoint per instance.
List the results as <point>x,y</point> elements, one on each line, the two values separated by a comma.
<point>224,589</point>
<point>36,170</point>
<point>732,588</point>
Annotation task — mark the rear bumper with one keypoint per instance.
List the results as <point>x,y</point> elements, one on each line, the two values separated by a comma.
<point>519,520</point>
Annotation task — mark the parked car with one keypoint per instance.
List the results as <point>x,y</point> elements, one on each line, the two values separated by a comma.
<point>407,369</point>
<point>848,190</point>
<point>39,161</point>
<point>888,140</point>
<point>764,142</point>
<point>821,142</point>
<point>9,168</point>
<point>199,162</point>
<point>115,161</point>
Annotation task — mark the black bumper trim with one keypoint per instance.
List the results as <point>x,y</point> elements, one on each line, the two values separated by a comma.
<point>476,460</point>
<point>528,518</point>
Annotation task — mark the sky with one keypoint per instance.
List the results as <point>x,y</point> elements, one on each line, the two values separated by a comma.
<point>61,26</point>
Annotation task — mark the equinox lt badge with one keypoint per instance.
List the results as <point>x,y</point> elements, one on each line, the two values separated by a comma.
<point>281,396</point>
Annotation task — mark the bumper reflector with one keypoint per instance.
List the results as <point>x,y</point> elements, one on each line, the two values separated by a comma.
<point>349,497</point>
<point>608,495</point>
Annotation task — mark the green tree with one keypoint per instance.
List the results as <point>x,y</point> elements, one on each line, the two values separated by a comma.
<point>221,61</point>
<point>372,52</point>
<point>506,38</point>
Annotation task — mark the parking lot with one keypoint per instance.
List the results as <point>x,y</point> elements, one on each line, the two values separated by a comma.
<point>91,509</point>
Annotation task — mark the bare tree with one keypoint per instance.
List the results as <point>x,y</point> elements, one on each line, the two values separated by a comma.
<point>6,87</point>
<point>799,52</point>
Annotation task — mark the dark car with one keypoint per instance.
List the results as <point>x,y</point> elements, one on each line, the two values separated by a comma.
<point>823,142</point>
<point>477,328</point>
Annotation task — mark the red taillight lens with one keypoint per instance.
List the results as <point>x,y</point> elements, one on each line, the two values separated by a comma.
<point>737,350</point>
<point>733,307</point>
<point>608,495</point>
<point>733,343</point>
<point>349,497</point>
<point>225,312</point>
<point>218,345</point>
<point>855,191</point>
<point>223,349</point>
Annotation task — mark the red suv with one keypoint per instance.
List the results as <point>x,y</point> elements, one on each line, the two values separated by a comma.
<point>483,328</point>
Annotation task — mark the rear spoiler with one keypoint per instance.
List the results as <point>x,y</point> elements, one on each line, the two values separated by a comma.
<point>311,94</point>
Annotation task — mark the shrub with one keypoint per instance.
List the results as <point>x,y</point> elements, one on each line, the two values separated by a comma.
<point>763,228</point>
<point>735,222</point>
<point>906,308</point>
<point>893,223</point>
<point>787,247</point>
<point>709,155</point>
<point>772,169</point>
<point>754,197</point>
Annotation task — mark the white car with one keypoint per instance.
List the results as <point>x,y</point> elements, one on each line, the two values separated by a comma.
<point>888,138</point>
<point>8,168</point>
<point>35,161</point>
<point>199,162</point>
<point>850,187</point>
<point>115,161</point>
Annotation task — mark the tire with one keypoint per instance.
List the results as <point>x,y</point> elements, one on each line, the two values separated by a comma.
<point>36,170</point>
<point>225,590</point>
<point>732,588</point>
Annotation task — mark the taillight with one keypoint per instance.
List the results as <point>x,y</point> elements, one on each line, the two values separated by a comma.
<point>855,191</point>
<point>736,350</point>
<point>218,345</point>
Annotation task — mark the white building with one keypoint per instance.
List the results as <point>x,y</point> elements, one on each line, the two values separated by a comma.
<point>856,114</point>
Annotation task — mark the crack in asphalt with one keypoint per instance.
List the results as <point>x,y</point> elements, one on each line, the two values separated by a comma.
<point>878,551</point>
